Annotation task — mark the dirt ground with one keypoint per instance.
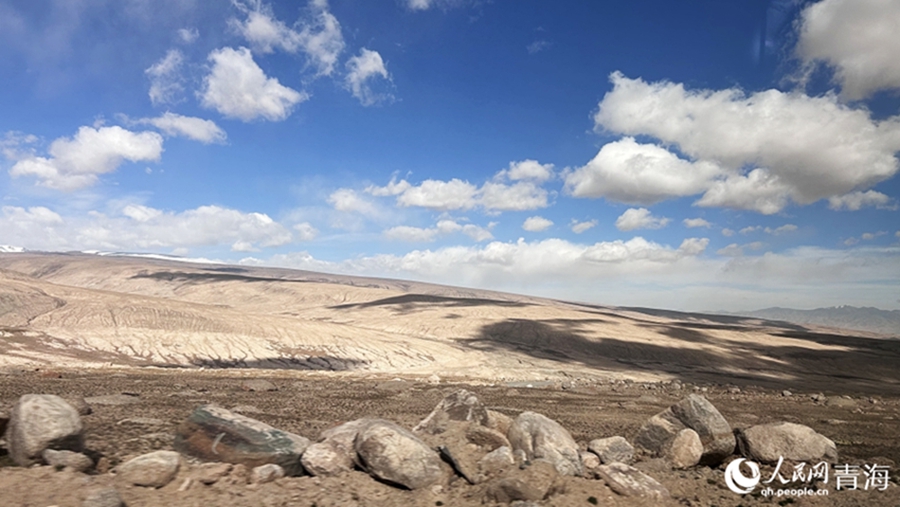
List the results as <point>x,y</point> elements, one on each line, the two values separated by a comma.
<point>152,402</point>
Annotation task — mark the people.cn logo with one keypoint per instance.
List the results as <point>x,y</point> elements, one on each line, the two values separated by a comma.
<point>737,481</point>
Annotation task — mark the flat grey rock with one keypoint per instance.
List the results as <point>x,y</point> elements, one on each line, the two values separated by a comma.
<point>766,443</point>
<point>154,470</point>
<point>612,449</point>
<point>396,455</point>
<point>628,481</point>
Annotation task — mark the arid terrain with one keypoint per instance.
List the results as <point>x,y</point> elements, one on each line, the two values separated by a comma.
<point>150,340</point>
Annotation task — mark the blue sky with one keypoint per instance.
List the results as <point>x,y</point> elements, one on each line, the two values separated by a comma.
<point>688,155</point>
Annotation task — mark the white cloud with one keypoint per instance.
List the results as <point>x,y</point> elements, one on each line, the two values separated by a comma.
<point>442,228</point>
<point>76,163</point>
<point>520,196</point>
<point>869,236</point>
<point>138,227</point>
<point>797,147</point>
<point>165,78</point>
<point>305,231</point>
<point>361,71</point>
<point>855,201</point>
<point>457,194</point>
<point>727,232</point>
<point>412,234</point>
<point>528,170</point>
<point>198,129</point>
<point>750,228</point>
<point>319,36</point>
<point>735,250</point>
<point>440,195</point>
<point>639,218</point>
<point>633,173</point>
<point>188,35</point>
<point>692,223</point>
<point>263,31</point>
<point>393,188</point>
<point>424,5</point>
<point>238,88</point>
<point>347,200</point>
<point>579,227</point>
<point>784,229</point>
<point>858,38</point>
<point>536,224</point>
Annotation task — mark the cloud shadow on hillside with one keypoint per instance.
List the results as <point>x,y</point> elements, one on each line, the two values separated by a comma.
<point>868,365</point>
<point>408,303</point>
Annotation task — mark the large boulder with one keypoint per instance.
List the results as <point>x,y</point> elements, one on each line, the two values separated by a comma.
<point>213,433</point>
<point>153,470</point>
<point>612,449</point>
<point>39,422</point>
<point>533,483</point>
<point>540,437</point>
<point>394,454</point>
<point>334,454</point>
<point>460,405</point>
<point>685,450</point>
<point>766,443</point>
<point>694,412</point>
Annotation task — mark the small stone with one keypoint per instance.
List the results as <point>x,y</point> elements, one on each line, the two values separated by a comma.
<point>612,449</point>
<point>532,483</point>
<point>485,437</point>
<point>629,481</point>
<point>185,484</point>
<point>103,497</point>
<point>210,473</point>
<point>258,385</point>
<point>786,393</point>
<point>67,459</point>
<point>461,405</point>
<point>496,461</point>
<point>685,450</point>
<point>498,421</point>
<point>766,443</point>
<point>266,473</point>
<point>155,469</point>
<point>394,454</point>
<point>39,422</point>
<point>589,460</point>
<point>542,437</point>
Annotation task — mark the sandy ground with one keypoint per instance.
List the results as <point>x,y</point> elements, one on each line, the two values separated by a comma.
<point>865,428</point>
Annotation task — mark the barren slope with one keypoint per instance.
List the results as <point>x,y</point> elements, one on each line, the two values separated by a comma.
<point>90,310</point>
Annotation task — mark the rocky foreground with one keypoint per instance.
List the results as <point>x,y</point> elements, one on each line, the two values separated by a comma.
<point>462,453</point>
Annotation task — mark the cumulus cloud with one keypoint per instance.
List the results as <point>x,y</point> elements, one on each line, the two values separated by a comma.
<point>640,218</point>
<point>198,129</point>
<point>442,228</point>
<point>77,162</point>
<point>858,39</point>
<point>318,36</point>
<point>727,232</point>
<point>362,71</point>
<point>579,227</point>
<point>305,231</point>
<point>528,169</point>
<point>424,5</point>
<point>735,250</point>
<point>692,223</point>
<point>857,200</point>
<point>784,229</point>
<point>629,172</point>
<point>536,224</point>
<point>138,227</point>
<point>238,88</point>
<point>165,78</point>
<point>347,200</point>
<point>793,147</point>
<point>513,189</point>
<point>440,195</point>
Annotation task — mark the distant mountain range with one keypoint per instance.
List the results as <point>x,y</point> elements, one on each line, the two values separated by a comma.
<point>845,317</point>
